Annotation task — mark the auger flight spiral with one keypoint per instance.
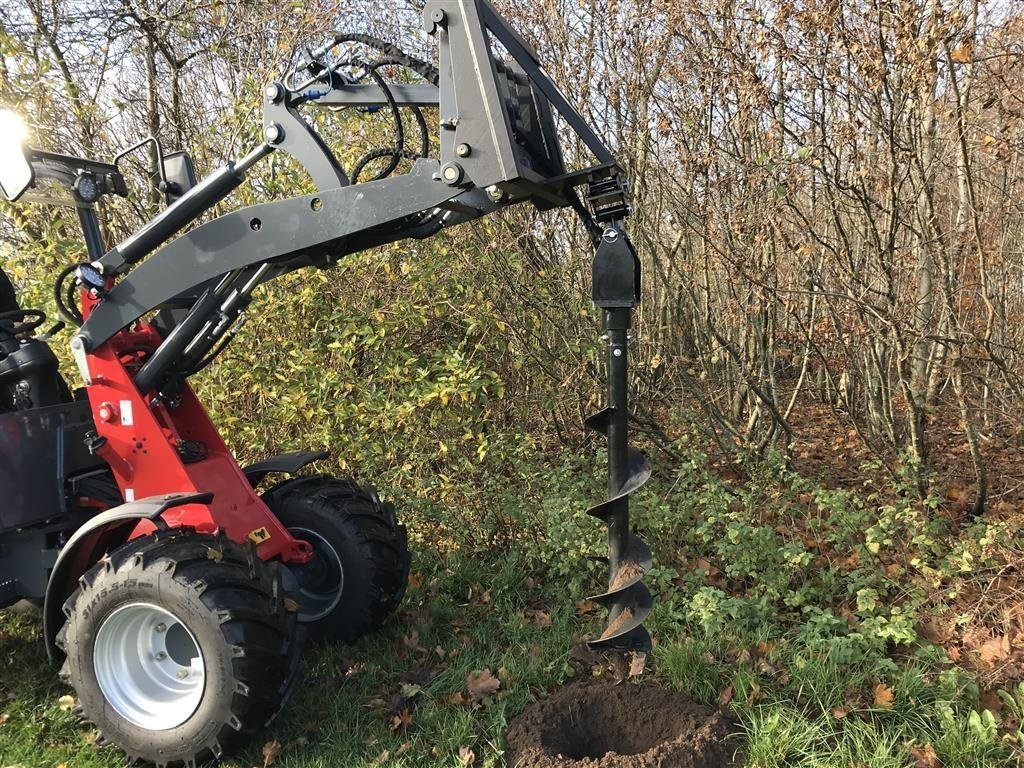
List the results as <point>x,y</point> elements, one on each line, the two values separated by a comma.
<point>616,289</point>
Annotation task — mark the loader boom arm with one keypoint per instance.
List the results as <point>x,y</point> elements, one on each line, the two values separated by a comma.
<point>497,146</point>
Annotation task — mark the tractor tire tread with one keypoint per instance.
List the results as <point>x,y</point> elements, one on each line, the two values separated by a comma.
<point>371,524</point>
<point>246,599</point>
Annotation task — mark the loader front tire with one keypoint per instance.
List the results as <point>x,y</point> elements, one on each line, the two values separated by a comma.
<point>179,645</point>
<point>361,568</point>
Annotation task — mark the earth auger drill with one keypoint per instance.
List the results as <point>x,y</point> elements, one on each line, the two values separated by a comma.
<point>173,590</point>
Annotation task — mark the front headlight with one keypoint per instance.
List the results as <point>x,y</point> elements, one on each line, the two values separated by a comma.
<point>15,171</point>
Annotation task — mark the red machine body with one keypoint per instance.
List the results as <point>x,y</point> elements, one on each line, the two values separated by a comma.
<point>147,445</point>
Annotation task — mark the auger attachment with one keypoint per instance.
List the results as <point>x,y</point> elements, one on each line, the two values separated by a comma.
<point>616,274</point>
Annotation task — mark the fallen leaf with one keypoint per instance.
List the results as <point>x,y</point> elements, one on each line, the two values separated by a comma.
<point>415,579</point>
<point>584,607</point>
<point>4,717</point>
<point>925,757</point>
<point>935,631</point>
<point>725,696</point>
<point>482,684</point>
<point>540,618</point>
<point>66,703</point>
<point>271,751</point>
<point>402,720</point>
<point>382,758</point>
<point>839,713</point>
<point>995,650</point>
<point>214,554</point>
<point>410,690</point>
<point>883,696</point>
<point>755,692</point>
<point>638,664</point>
<point>466,756</point>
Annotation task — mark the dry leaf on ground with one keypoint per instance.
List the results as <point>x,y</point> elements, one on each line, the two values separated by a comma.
<point>482,684</point>
<point>638,664</point>
<point>402,720</point>
<point>883,696</point>
<point>925,757</point>
<point>271,751</point>
<point>466,756</point>
<point>725,696</point>
<point>995,650</point>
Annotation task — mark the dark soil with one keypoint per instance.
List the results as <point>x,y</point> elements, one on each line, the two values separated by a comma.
<point>595,724</point>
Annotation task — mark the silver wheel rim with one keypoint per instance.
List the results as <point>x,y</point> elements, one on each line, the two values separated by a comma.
<point>316,600</point>
<point>149,666</point>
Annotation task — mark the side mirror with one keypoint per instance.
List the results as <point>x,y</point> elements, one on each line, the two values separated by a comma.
<point>16,174</point>
<point>179,175</point>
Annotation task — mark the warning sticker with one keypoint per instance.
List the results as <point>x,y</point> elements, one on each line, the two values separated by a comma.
<point>259,535</point>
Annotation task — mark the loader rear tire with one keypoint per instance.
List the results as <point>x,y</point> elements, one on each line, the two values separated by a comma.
<point>179,645</point>
<point>361,570</point>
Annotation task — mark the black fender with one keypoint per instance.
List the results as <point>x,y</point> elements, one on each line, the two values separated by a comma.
<point>287,463</point>
<point>88,544</point>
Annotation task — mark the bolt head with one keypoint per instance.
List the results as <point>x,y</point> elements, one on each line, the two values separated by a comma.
<point>452,173</point>
<point>617,352</point>
<point>161,627</point>
<point>273,92</point>
<point>463,150</point>
<point>273,133</point>
<point>182,674</point>
<point>161,656</point>
<point>611,235</point>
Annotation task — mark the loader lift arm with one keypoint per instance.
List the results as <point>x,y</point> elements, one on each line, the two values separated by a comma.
<point>498,146</point>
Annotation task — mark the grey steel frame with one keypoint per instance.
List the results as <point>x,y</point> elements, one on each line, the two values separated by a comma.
<point>486,163</point>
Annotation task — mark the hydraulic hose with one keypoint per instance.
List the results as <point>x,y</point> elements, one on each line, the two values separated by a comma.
<point>427,71</point>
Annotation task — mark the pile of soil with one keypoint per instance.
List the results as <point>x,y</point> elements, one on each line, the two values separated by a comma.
<point>595,724</point>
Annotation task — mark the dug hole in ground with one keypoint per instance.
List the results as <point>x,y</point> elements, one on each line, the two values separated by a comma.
<point>594,723</point>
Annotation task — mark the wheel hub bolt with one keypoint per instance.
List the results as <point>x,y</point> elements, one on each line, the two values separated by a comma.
<point>161,656</point>
<point>161,627</point>
<point>182,674</point>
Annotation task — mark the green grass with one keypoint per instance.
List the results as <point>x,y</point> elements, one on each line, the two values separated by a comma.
<point>341,711</point>
<point>799,682</point>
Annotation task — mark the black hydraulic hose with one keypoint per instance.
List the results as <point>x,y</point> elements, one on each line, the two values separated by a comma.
<point>398,152</point>
<point>210,357</point>
<point>421,122</point>
<point>65,300</point>
<point>427,71</point>
<point>26,325</point>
